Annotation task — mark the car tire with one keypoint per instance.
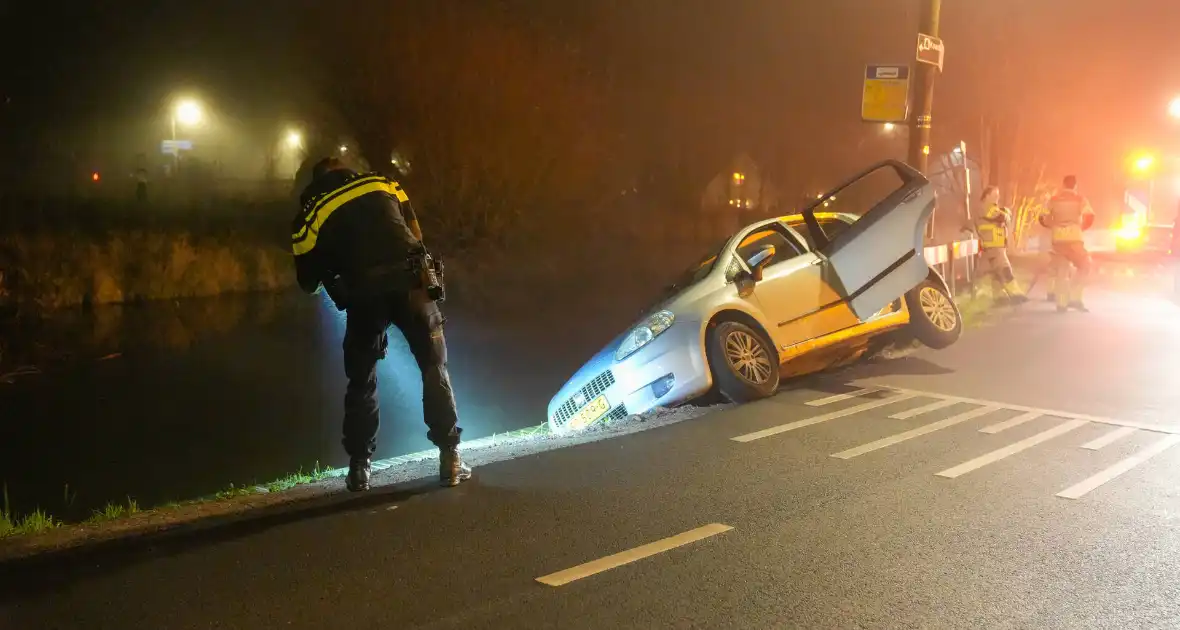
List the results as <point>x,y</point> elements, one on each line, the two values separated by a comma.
<point>743,361</point>
<point>935,320</point>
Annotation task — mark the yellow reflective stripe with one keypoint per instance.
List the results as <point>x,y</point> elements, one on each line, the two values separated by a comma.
<point>312,230</point>
<point>304,241</point>
<point>395,189</point>
<point>1067,233</point>
<point>991,235</point>
<point>309,215</point>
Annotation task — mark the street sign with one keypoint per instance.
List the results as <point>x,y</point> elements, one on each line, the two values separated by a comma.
<point>175,146</point>
<point>930,50</point>
<point>886,95</point>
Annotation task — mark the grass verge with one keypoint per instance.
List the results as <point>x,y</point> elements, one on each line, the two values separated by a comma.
<point>34,523</point>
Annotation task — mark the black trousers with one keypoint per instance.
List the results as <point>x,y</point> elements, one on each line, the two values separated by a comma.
<point>365,343</point>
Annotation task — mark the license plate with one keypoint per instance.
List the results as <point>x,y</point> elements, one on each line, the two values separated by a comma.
<point>593,410</point>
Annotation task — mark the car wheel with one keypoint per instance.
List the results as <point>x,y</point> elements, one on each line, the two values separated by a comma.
<point>743,362</point>
<point>934,318</point>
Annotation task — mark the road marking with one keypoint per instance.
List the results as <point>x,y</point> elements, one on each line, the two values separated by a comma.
<point>783,428</point>
<point>864,391</point>
<point>1008,424</point>
<point>918,432</point>
<point>1154,428</point>
<point>1079,490</point>
<point>1011,449</point>
<point>917,411</point>
<point>631,555</point>
<point>1110,438</point>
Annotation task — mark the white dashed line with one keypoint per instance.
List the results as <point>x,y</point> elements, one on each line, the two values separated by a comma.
<point>631,555</point>
<point>918,432</point>
<point>1111,437</point>
<point>848,396</point>
<point>1014,422</point>
<point>783,428</point>
<point>917,411</point>
<point>1079,490</point>
<point>1011,449</point>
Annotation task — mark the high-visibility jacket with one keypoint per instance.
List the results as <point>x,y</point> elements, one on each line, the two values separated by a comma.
<point>1067,215</point>
<point>350,224</point>
<point>993,227</point>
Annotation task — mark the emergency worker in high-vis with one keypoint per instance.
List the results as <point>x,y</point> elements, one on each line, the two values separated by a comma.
<point>356,238</point>
<point>992,228</point>
<point>1067,215</point>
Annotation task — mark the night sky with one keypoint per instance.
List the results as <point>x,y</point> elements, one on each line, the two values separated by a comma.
<point>1078,83</point>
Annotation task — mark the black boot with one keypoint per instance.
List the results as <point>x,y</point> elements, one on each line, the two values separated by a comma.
<point>451,469</point>
<point>359,469</point>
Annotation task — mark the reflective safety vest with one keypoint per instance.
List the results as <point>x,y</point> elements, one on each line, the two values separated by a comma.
<point>1065,216</point>
<point>993,232</point>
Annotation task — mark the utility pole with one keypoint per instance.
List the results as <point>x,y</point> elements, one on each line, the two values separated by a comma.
<point>919,149</point>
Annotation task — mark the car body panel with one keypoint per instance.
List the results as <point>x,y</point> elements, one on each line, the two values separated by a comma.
<point>813,294</point>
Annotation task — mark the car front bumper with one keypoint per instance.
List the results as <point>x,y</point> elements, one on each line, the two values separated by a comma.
<point>669,370</point>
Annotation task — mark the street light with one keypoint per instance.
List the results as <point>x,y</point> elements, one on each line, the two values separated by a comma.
<point>294,139</point>
<point>1144,162</point>
<point>1174,108</point>
<point>188,113</point>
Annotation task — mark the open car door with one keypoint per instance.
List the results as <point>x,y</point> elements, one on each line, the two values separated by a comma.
<point>877,258</point>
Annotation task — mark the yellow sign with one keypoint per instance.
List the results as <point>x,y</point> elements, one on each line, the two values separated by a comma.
<point>886,96</point>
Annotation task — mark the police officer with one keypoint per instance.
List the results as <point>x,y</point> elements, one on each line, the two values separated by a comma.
<point>1069,214</point>
<point>352,239</point>
<point>993,241</point>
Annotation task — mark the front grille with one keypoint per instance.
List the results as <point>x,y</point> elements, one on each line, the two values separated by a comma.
<point>590,391</point>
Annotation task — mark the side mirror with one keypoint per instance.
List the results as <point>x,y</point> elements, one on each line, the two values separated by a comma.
<point>760,260</point>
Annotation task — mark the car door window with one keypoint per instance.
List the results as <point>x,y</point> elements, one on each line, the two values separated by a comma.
<point>785,247</point>
<point>874,190</point>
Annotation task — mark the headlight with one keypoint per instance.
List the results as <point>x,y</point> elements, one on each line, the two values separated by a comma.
<point>642,334</point>
<point>1129,233</point>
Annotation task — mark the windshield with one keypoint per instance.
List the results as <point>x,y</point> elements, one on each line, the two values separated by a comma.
<point>699,269</point>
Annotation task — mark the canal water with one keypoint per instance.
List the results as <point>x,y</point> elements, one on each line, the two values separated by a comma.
<point>173,400</point>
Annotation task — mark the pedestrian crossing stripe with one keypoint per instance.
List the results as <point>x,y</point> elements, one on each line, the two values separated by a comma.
<point>980,408</point>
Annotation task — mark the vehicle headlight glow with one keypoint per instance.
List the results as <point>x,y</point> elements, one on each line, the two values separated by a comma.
<point>643,334</point>
<point>1129,233</point>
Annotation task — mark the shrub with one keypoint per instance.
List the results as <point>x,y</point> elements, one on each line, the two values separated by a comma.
<point>53,270</point>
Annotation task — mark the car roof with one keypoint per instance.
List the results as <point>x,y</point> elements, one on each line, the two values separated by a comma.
<point>792,219</point>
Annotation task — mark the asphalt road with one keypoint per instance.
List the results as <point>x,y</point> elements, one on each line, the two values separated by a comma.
<point>1024,479</point>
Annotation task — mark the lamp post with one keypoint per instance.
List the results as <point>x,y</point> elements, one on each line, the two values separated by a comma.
<point>188,113</point>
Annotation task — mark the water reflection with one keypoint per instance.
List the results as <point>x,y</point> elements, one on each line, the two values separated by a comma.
<point>178,399</point>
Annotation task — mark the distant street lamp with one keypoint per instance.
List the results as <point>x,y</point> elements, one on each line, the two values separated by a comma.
<point>1174,108</point>
<point>188,113</point>
<point>1144,163</point>
<point>294,139</point>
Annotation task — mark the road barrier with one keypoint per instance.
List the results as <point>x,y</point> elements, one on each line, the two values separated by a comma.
<point>954,261</point>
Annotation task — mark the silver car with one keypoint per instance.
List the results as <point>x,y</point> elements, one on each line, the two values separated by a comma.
<point>841,273</point>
